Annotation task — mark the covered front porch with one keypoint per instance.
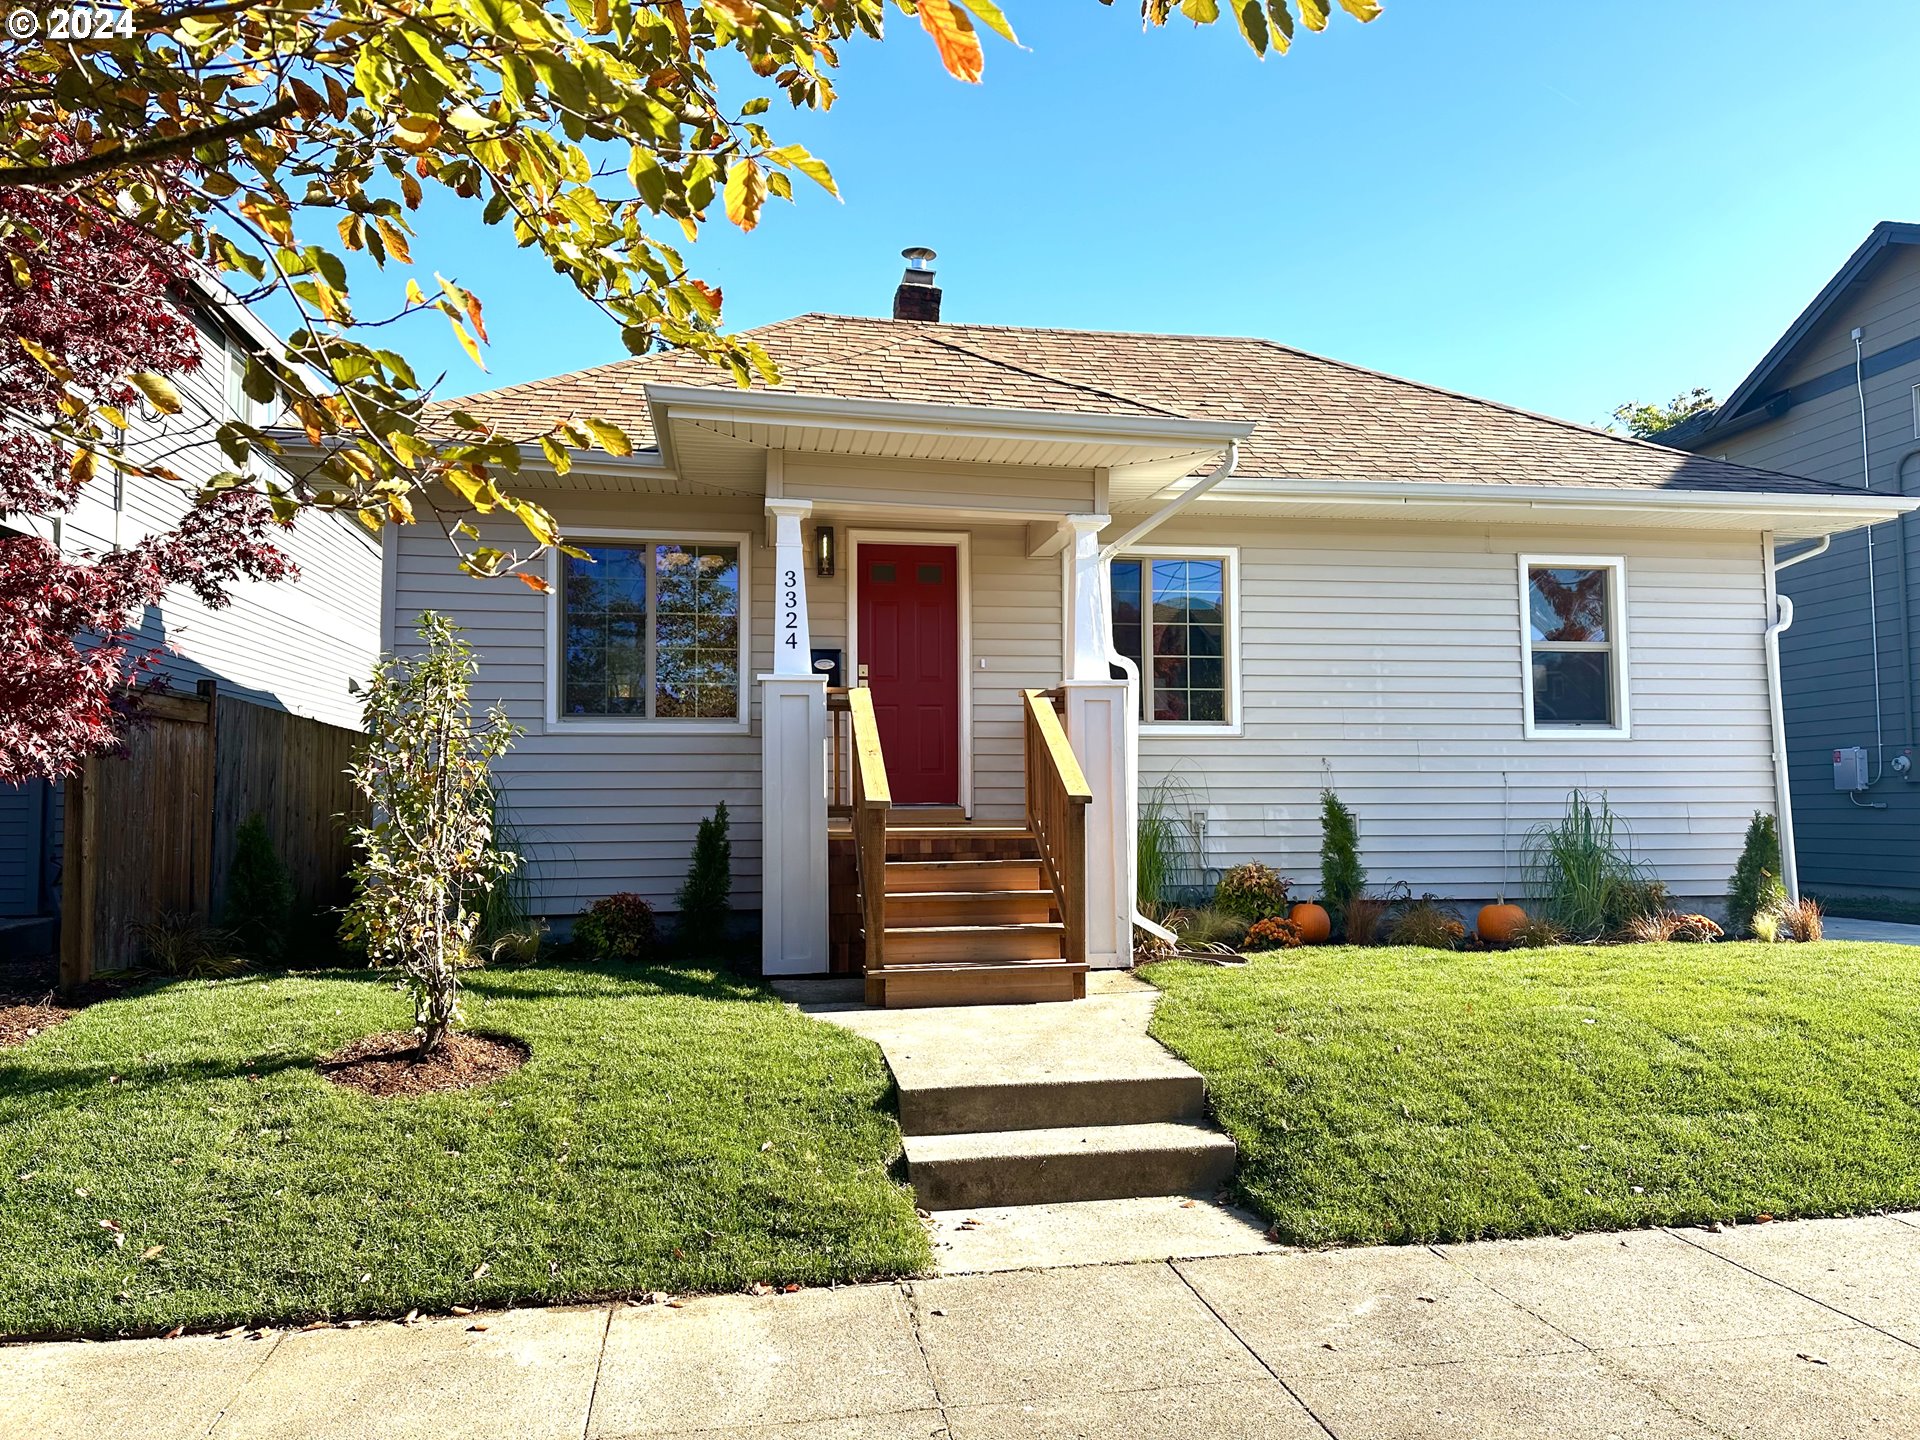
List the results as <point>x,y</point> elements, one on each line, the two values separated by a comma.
<point>948,744</point>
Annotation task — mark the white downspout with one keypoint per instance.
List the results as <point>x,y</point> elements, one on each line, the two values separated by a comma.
<point>1781,609</point>
<point>1128,667</point>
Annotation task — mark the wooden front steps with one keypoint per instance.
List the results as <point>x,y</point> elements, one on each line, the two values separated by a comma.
<point>970,918</point>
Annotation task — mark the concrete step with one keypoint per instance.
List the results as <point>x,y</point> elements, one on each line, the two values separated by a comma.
<point>1038,1167</point>
<point>1020,982</point>
<point>912,908</point>
<point>978,944</point>
<point>921,876</point>
<point>1048,1104</point>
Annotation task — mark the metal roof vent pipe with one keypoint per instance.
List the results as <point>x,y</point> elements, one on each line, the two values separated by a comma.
<point>918,298</point>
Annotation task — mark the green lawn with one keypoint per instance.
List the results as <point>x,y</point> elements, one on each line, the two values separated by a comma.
<point>1395,1094</point>
<point>672,1130</point>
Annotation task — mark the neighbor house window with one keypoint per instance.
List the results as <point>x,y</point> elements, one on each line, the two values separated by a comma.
<point>1575,645</point>
<point>1171,617</point>
<point>651,629</point>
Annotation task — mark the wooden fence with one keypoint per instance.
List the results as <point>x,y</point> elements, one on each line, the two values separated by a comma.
<point>150,828</point>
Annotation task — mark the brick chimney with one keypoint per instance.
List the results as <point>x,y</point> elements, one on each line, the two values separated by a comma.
<point>918,298</point>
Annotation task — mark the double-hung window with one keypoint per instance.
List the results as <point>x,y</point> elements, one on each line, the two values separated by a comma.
<point>1573,637</point>
<point>1172,616</point>
<point>652,630</point>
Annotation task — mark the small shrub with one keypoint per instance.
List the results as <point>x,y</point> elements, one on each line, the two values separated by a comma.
<point>1766,927</point>
<point>1209,926</point>
<point>259,905</point>
<point>1579,872</point>
<point>1635,899</point>
<point>186,947</point>
<point>1756,887</point>
<point>1535,933</point>
<point>1366,917</point>
<point>1803,920</point>
<point>1270,934</point>
<point>705,898</point>
<point>1342,877</point>
<point>1695,930</point>
<point>1430,925</point>
<point>1254,890</point>
<point>619,927</point>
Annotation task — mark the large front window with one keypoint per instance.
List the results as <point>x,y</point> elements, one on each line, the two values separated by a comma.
<point>1170,618</point>
<point>651,629</point>
<point>1574,674</point>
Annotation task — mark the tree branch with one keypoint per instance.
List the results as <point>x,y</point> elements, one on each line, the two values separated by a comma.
<point>162,149</point>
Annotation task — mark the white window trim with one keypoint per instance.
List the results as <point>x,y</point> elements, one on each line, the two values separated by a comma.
<point>1622,729</point>
<point>962,543</point>
<point>645,724</point>
<point>1230,588</point>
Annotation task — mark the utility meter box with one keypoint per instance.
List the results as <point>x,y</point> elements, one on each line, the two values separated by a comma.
<point>1850,768</point>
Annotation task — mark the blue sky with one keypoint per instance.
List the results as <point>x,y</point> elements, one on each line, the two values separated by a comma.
<point>1556,205</point>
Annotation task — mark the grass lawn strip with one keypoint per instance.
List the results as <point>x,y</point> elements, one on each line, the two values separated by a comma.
<point>173,1155</point>
<point>1399,1094</point>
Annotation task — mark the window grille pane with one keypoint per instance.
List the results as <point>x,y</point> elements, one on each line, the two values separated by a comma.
<point>1125,580</point>
<point>1573,687</point>
<point>696,668</point>
<point>1189,640</point>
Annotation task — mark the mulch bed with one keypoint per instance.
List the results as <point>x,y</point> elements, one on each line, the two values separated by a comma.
<point>390,1065</point>
<point>21,1020</point>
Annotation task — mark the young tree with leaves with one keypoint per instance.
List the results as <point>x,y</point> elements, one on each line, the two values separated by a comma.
<point>1644,421</point>
<point>271,139</point>
<point>428,855</point>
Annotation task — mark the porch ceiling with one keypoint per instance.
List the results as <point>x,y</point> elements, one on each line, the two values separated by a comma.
<point>721,438</point>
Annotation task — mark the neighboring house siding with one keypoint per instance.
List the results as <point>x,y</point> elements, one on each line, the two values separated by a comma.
<point>602,812</point>
<point>1387,663</point>
<point>21,815</point>
<point>1846,847</point>
<point>293,646</point>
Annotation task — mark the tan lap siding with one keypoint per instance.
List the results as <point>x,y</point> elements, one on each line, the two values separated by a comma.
<point>602,811</point>
<point>1394,657</point>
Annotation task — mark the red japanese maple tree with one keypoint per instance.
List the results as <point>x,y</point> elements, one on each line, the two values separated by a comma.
<point>85,307</point>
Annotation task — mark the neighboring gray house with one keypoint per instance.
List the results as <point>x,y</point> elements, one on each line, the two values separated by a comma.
<point>289,646</point>
<point>1838,399</point>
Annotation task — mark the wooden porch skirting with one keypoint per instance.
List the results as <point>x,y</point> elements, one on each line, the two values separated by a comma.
<point>846,949</point>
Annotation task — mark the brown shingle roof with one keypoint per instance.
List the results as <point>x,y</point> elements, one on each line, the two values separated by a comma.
<point>1315,419</point>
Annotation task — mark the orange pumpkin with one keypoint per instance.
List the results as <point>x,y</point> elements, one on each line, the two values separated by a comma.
<point>1498,922</point>
<point>1312,921</point>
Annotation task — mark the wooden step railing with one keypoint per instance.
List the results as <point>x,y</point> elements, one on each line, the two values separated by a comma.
<point>872,798</point>
<point>1057,799</point>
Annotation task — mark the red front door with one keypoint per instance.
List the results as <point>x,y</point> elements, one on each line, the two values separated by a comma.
<point>910,648</point>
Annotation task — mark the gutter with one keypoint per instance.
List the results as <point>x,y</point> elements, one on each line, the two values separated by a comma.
<point>1781,608</point>
<point>1132,671</point>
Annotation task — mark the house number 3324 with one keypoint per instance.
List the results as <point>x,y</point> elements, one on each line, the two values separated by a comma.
<point>790,609</point>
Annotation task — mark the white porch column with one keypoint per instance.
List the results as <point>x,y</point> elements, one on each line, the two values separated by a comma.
<point>793,768</point>
<point>1105,738</point>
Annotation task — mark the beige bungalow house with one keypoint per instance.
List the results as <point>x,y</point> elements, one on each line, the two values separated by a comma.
<point>939,612</point>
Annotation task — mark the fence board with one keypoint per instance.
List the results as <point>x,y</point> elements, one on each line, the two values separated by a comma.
<point>150,828</point>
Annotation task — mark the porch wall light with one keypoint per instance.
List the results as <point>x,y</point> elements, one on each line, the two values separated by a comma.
<point>823,551</point>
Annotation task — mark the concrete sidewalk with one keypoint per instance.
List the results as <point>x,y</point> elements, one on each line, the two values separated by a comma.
<point>1796,1331</point>
<point>1886,932</point>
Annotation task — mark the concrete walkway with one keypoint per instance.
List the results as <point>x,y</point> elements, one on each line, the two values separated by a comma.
<point>1797,1331</point>
<point>1839,927</point>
